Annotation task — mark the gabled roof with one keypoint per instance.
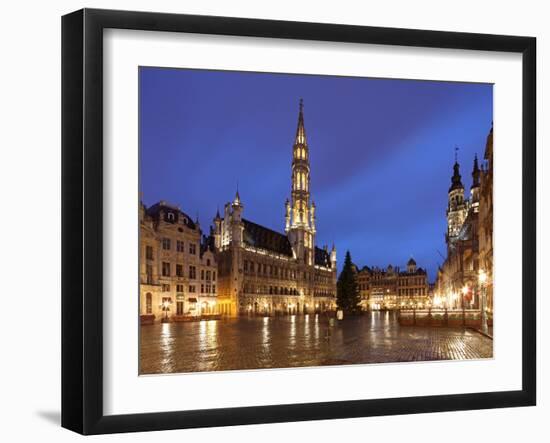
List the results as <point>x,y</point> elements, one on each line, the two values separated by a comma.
<point>261,237</point>
<point>155,210</point>
<point>265,238</point>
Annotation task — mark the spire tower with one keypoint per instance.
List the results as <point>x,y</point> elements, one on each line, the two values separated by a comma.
<point>300,214</point>
<point>457,208</point>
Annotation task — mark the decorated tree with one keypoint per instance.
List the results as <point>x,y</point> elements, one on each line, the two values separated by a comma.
<point>347,291</point>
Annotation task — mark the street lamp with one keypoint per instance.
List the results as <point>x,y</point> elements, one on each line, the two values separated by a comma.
<point>165,306</point>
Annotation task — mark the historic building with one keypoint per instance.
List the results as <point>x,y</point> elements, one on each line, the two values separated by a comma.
<point>486,228</point>
<point>391,288</point>
<point>261,271</point>
<point>178,269</point>
<point>467,270</point>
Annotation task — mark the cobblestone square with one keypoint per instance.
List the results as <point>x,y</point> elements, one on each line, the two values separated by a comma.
<point>298,341</point>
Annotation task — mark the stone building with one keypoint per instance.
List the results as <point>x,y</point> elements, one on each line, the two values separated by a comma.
<point>486,226</point>
<point>178,269</point>
<point>467,269</point>
<point>390,288</point>
<point>413,288</point>
<point>262,271</point>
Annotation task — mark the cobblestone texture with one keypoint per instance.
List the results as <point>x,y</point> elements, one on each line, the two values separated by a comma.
<point>296,341</point>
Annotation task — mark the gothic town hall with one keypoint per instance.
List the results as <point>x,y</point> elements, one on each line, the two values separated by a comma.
<point>264,271</point>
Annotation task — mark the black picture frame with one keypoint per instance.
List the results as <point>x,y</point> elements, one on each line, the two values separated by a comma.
<point>82,216</point>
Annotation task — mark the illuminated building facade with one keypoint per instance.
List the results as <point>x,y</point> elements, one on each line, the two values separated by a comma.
<point>262,271</point>
<point>178,269</point>
<point>486,228</point>
<point>391,288</point>
<point>467,271</point>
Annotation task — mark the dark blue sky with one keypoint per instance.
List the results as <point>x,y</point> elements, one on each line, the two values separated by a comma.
<point>381,152</point>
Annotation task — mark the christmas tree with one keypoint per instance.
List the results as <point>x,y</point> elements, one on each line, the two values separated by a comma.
<point>347,292</point>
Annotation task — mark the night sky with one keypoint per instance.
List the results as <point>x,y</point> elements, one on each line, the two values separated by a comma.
<point>381,153</point>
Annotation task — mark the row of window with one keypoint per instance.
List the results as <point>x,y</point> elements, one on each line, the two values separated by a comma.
<point>205,288</point>
<point>250,267</point>
<point>272,290</point>
<point>262,269</point>
<point>323,294</point>
<point>300,153</point>
<point>400,282</point>
<point>412,281</point>
<point>167,246</point>
<point>405,291</point>
<point>300,181</point>
<point>167,272</point>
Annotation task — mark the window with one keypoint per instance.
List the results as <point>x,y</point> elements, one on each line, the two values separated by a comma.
<point>179,288</point>
<point>171,216</point>
<point>207,262</point>
<point>165,288</point>
<point>166,244</point>
<point>179,246</point>
<point>179,270</point>
<point>202,288</point>
<point>179,308</point>
<point>149,252</point>
<point>165,269</point>
<point>207,275</point>
<point>149,273</point>
<point>192,272</point>
<point>192,289</point>
<point>192,248</point>
<point>148,303</point>
<point>202,274</point>
<point>213,289</point>
<point>213,275</point>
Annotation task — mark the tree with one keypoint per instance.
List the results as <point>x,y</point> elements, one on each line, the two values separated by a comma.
<point>347,292</point>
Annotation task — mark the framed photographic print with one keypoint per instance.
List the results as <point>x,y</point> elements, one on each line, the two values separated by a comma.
<point>269,221</point>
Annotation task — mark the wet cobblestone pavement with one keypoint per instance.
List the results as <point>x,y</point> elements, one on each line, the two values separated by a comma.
<point>296,341</point>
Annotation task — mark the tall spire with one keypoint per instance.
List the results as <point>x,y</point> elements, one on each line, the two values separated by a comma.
<point>300,215</point>
<point>456,179</point>
<point>475,173</point>
<point>301,130</point>
<point>237,200</point>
